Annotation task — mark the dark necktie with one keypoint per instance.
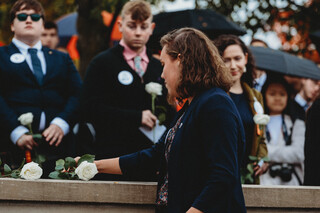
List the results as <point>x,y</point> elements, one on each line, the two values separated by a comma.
<point>36,65</point>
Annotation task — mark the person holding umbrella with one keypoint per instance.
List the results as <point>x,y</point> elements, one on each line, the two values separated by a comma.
<point>260,76</point>
<point>200,154</point>
<point>249,101</point>
<point>304,99</point>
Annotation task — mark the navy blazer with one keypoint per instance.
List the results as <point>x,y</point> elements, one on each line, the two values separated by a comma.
<point>20,92</point>
<point>204,163</point>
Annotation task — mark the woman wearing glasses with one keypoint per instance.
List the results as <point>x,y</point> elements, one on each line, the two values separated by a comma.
<point>198,158</point>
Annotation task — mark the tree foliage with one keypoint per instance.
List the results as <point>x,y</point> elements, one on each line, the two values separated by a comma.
<point>296,20</point>
<point>54,9</point>
<point>292,20</point>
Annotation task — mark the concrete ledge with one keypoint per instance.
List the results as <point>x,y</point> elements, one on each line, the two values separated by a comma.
<point>107,196</point>
<point>78,191</point>
<point>282,196</point>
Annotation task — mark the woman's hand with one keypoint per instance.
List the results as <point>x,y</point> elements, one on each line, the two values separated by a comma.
<point>194,210</point>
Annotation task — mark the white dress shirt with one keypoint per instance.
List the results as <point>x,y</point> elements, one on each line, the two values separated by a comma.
<point>302,102</point>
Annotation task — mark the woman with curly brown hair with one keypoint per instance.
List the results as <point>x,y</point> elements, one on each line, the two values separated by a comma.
<point>199,157</point>
<point>249,101</point>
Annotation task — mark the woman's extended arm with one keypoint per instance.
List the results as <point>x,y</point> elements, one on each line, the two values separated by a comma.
<point>109,166</point>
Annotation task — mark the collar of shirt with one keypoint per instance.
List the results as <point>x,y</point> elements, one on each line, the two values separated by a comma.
<point>129,55</point>
<point>262,79</point>
<point>23,48</point>
<point>300,100</point>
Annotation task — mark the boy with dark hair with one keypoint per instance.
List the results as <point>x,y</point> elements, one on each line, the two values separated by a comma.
<point>114,96</point>
<point>49,36</point>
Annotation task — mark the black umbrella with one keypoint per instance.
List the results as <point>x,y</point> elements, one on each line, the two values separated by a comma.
<point>278,61</point>
<point>208,21</point>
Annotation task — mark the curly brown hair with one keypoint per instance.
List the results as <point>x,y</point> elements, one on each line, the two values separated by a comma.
<point>26,5</point>
<point>224,41</point>
<point>202,66</point>
<point>140,10</point>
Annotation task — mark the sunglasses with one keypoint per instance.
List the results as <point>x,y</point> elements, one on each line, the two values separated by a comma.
<point>24,16</point>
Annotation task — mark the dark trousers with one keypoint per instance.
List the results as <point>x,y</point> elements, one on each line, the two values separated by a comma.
<point>161,209</point>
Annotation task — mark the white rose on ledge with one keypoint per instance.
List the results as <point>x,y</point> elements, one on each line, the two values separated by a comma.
<point>261,119</point>
<point>26,118</point>
<point>86,171</point>
<point>154,88</point>
<point>31,171</point>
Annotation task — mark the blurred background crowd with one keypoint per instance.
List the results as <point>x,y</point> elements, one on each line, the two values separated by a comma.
<point>271,47</point>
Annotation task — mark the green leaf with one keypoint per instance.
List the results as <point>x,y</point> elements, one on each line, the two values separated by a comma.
<point>40,158</point>
<point>265,159</point>
<point>54,175</point>
<point>70,162</point>
<point>7,169</point>
<point>253,158</point>
<point>0,161</point>
<point>250,168</point>
<point>15,174</point>
<point>162,118</point>
<point>87,157</point>
<point>249,178</point>
<point>60,162</point>
<point>59,167</point>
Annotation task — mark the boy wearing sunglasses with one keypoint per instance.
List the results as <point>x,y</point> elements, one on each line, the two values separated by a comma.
<point>39,80</point>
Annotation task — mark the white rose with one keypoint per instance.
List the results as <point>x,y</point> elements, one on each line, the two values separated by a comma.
<point>31,171</point>
<point>26,118</point>
<point>261,119</point>
<point>154,88</point>
<point>86,171</point>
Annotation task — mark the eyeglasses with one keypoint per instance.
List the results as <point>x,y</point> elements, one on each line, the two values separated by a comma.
<point>24,16</point>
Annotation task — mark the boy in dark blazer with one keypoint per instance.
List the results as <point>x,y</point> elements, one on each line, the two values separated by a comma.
<point>39,80</point>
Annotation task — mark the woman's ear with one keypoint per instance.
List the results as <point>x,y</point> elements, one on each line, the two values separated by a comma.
<point>179,58</point>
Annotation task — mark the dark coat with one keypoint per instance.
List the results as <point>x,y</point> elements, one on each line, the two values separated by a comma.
<point>115,109</point>
<point>204,163</point>
<point>20,92</point>
<point>312,146</point>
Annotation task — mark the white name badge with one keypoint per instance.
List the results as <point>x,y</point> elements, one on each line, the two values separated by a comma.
<point>17,58</point>
<point>125,77</point>
<point>257,107</point>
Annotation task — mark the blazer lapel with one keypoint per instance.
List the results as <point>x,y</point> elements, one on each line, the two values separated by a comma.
<point>187,109</point>
<point>23,67</point>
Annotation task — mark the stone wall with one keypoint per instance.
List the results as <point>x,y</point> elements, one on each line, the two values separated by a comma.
<point>57,196</point>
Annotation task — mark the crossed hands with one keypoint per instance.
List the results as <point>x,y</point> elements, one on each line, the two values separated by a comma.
<point>53,135</point>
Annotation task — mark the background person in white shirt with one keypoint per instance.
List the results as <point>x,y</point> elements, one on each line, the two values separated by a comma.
<point>284,137</point>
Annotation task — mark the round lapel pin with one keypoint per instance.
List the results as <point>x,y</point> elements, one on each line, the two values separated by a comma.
<point>17,58</point>
<point>125,77</point>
